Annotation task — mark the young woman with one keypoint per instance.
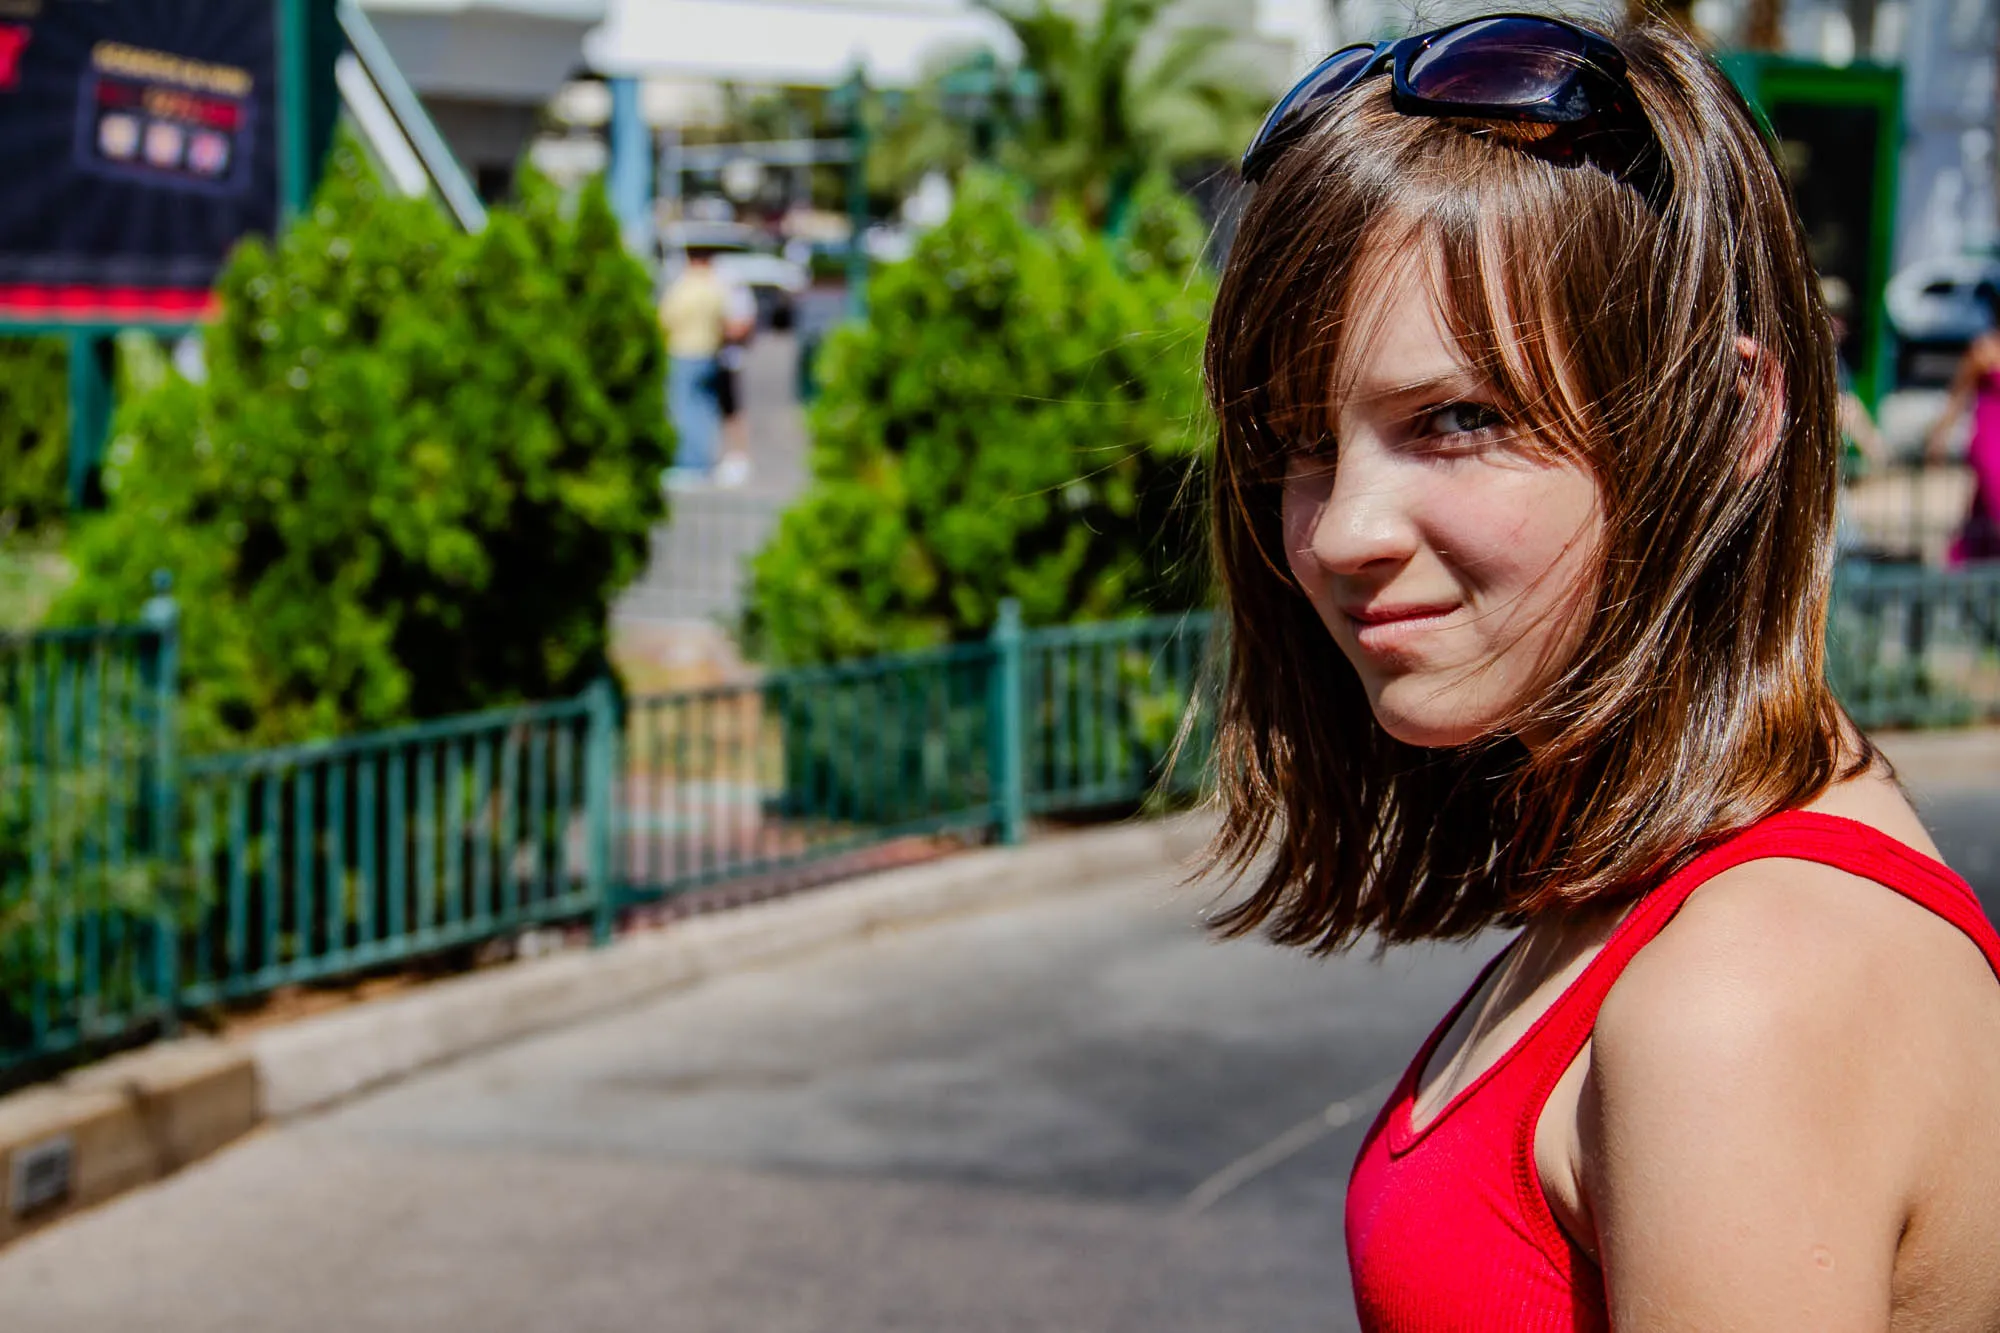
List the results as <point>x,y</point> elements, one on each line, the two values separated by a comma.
<point>1976,385</point>
<point>1524,508</point>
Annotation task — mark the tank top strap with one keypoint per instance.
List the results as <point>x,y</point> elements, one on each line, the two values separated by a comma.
<point>1802,835</point>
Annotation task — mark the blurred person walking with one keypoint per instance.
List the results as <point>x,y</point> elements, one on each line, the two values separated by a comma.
<point>1976,385</point>
<point>1862,450</point>
<point>694,313</point>
<point>1527,463</point>
<point>740,327</point>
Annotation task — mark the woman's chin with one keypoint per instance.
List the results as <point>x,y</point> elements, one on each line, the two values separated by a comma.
<point>1431,724</point>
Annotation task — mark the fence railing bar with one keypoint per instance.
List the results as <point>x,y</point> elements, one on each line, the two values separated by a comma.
<point>389,740</point>
<point>15,644</point>
<point>538,806</point>
<point>304,859</point>
<point>510,821</point>
<point>203,857</point>
<point>368,877</point>
<point>237,960</point>
<point>396,852</point>
<point>338,774</point>
<point>454,759</point>
<point>271,860</point>
<point>484,831</point>
<point>427,842</point>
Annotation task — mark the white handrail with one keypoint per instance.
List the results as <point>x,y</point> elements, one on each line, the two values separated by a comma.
<point>400,100</point>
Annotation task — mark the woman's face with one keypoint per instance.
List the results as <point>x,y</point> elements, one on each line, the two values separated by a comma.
<point>1452,555</point>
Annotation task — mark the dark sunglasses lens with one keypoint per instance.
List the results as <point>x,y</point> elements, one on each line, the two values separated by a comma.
<point>1333,76</point>
<point>1499,62</point>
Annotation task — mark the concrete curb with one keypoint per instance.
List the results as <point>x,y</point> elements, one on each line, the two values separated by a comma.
<point>133,1119</point>
<point>117,1125</point>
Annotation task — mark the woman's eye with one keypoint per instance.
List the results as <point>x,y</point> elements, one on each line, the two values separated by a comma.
<point>1459,419</point>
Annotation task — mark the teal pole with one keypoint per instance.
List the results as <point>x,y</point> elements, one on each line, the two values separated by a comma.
<point>1007,739</point>
<point>631,165</point>
<point>162,616</point>
<point>90,360</point>
<point>294,109</point>
<point>600,798</point>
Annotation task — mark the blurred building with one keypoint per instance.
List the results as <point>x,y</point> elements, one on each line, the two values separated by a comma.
<point>489,70</point>
<point>1947,50</point>
<point>486,69</point>
<point>690,46</point>
<point>658,67</point>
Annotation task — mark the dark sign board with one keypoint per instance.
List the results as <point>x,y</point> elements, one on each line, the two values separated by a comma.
<point>138,143</point>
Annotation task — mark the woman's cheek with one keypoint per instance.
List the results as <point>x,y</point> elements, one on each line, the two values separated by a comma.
<point>1304,501</point>
<point>1520,528</point>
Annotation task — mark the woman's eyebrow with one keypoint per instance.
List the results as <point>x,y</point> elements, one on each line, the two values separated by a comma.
<point>1458,382</point>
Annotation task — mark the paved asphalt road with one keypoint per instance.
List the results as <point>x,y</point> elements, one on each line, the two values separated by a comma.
<point>989,1123</point>
<point>1070,1115</point>
<point>1965,820</point>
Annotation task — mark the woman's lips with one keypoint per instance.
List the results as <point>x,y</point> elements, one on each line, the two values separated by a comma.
<point>1386,628</point>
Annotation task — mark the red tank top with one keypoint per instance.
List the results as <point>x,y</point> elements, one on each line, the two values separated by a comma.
<point>1447,1226</point>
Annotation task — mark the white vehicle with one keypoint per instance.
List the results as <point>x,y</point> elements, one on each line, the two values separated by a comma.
<point>1937,307</point>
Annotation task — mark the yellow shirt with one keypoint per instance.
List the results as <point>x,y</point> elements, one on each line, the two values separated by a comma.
<point>694,313</point>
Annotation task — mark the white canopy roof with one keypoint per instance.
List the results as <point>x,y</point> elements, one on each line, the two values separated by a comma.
<point>798,43</point>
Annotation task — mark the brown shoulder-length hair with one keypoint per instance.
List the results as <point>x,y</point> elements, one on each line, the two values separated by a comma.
<point>1612,323</point>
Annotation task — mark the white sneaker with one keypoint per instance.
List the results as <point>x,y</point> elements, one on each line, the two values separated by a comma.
<point>732,471</point>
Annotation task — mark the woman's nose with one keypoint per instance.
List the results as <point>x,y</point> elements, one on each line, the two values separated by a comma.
<point>1365,521</point>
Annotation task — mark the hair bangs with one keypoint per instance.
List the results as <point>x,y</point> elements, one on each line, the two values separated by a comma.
<point>1506,246</point>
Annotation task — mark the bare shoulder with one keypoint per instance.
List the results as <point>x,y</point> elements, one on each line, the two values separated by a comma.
<point>1799,990</point>
<point>1787,1106</point>
<point>1779,950</point>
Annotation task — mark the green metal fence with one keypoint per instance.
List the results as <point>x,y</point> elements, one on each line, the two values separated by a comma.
<point>1104,706</point>
<point>86,813</point>
<point>327,860</point>
<point>1909,646</point>
<point>322,862</point>
<point>809,764</point>
<point>801,766</point>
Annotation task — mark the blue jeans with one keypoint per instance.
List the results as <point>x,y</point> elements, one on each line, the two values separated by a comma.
<point>697,416</point>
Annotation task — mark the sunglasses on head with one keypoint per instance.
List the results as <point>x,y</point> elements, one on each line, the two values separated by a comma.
<point>1519,69</point>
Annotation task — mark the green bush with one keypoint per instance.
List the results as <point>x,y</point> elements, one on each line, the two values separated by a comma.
<point>1017,418</point>
<point>79,907</point>
<point>34,433</point>
<point>417,470</point>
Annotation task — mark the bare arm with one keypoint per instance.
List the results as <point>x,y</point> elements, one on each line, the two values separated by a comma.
<point>1963,381</point>
<point>1858,426</point>
<point>1746,1147</point>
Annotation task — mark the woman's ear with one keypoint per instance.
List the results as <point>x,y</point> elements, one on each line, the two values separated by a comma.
<point>1761,380</point>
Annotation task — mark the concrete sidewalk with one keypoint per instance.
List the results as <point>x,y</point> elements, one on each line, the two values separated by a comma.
<point>1937,761</point>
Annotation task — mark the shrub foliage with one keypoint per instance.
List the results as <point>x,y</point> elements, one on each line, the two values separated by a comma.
<point>418,467</point>
<point>1017,418</point>
<point>34,433</point>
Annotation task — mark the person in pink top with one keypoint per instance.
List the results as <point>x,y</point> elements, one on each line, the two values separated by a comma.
<point>1523,505</point>
<point>1976,385</point>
